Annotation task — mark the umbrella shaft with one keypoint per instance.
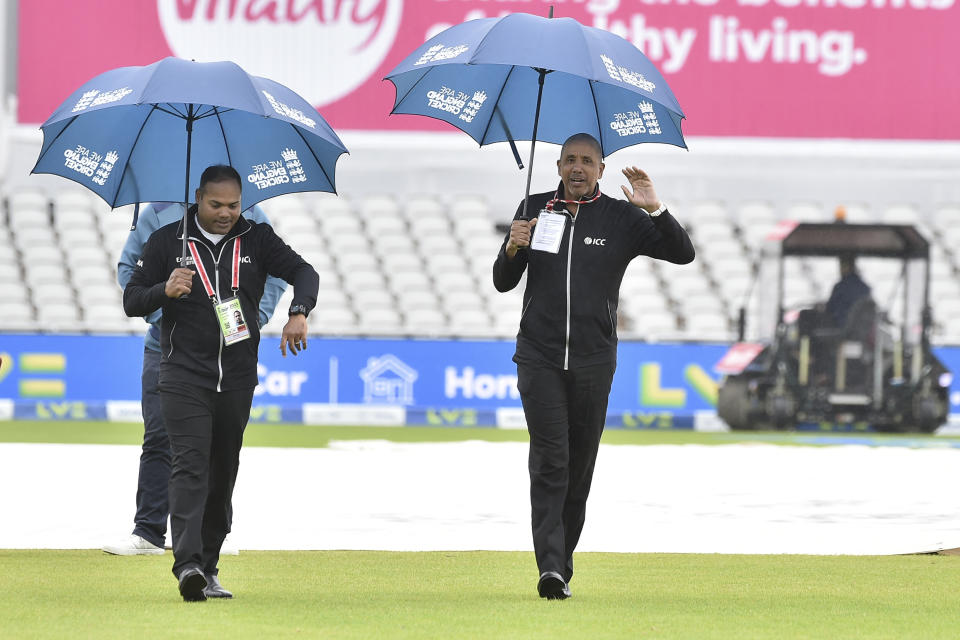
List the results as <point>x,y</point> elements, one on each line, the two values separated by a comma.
<point>533,142</point>
<point>186,185</point>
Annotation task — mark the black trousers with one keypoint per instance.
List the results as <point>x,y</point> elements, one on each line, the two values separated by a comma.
<point>150,521</point>
<point>206,432</point>
<point>565,413</point>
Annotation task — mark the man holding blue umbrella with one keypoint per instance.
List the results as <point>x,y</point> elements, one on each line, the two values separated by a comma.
<point>575,252</point>
<point>150,520</point>
<point>208,367</point>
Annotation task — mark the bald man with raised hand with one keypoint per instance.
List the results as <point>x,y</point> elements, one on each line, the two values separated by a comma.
<point>566,350</point>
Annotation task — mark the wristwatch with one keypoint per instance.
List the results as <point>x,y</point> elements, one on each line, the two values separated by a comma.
<point>298,308</point>
<point>663,207</point>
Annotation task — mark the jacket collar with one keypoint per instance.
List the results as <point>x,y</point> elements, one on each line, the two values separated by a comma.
<point>241,227</point>
<point>562,196</point>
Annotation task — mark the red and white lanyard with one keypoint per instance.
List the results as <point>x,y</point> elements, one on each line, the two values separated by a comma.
<point>205,279</point>
<point>555,199</point>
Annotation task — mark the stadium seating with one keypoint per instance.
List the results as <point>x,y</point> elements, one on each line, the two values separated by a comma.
<point>417,268</point>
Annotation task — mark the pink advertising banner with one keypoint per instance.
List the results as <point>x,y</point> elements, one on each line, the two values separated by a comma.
<point>868,69</point>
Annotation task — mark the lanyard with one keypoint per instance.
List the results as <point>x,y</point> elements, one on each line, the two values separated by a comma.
<point>555,199</point>
<point>205,279</point>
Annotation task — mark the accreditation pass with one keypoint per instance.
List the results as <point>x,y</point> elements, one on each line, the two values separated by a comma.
<point>232,323</point>
<point>548,232</point>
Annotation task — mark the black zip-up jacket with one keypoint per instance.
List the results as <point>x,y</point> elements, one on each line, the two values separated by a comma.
<point>569,316</point>
<point>191,343</point>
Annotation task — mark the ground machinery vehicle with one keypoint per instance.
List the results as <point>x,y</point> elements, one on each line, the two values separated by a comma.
<point>875,370</point>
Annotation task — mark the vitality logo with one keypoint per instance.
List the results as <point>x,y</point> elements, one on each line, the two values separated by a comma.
<point>288,41</point>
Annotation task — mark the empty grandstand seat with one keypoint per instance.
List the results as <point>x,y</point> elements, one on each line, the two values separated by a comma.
<point>294,227</point>
<point>51,292</point>
<point>13,290</point>
<point>25,237</point>
<point>466,225</point>
<point>43,274</point>
<point>333,224</point>
<point>324,204</point>
<point>901,214</point>
<point>27,199</point>
<point>66,219</point>
<point>423,207</point>
<point>377,226</point>
<point>364,279</point>
<point>707,326</point>
<point>85,275</point>
<point>462,300</point>
<point>334,321</point>
<point>432,233</point>
<point>430,321</point>
<point>380,321</point>
<point>74,199</point>
<point>10,272</point>
<point>409,299</point>
<point>655,326</point>
<point>379,206</point>
<point>79,236</point>
<point>39,254</point>
<point>364,299</point>
<point>17,316</point>
<point>807,212</point>
<point>347,241</point>
<point>454,280</point>
<point>708,232</point>
<point>59,316</point>
<point>734,288</point>
<point>472,322</point>
<point>81,254</point>
<point>355,261</point>
<point>110,319</point>
<point>438,263</point>
<point>402,282</point>
<point>707,211</point>
<point>327,296</point>
<point>328,278</point>
<point>636,309</point>
<point>318,257</point>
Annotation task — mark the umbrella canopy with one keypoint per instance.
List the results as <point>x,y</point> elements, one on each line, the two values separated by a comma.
<point>485,76</point>
<point>139,134</point>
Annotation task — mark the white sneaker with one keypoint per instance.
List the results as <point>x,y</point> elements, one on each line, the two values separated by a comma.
<point>134,545</point>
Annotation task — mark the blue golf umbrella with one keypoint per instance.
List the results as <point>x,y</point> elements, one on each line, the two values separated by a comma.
<point>139,134</point>
<point>484,77</point>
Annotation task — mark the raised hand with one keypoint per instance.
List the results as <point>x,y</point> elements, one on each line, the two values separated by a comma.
<point>643,194</point>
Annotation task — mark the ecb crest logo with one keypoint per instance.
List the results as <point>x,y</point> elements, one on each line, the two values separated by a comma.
<point>288,40</point>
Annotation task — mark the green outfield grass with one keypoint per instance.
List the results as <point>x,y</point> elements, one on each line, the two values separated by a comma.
<point>298,435</point>
<point>375,594</point>
<point>364,594</point>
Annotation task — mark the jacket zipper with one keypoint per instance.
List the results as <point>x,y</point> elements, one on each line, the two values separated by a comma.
<point>216,288</point>
<point>566,349</point>
<point>172,329</point>
<point>524,312</point>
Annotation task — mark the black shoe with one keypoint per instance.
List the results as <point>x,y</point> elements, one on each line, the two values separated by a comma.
<point>214,589</point>
<point>552,586</point>
<point>193,585</point>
